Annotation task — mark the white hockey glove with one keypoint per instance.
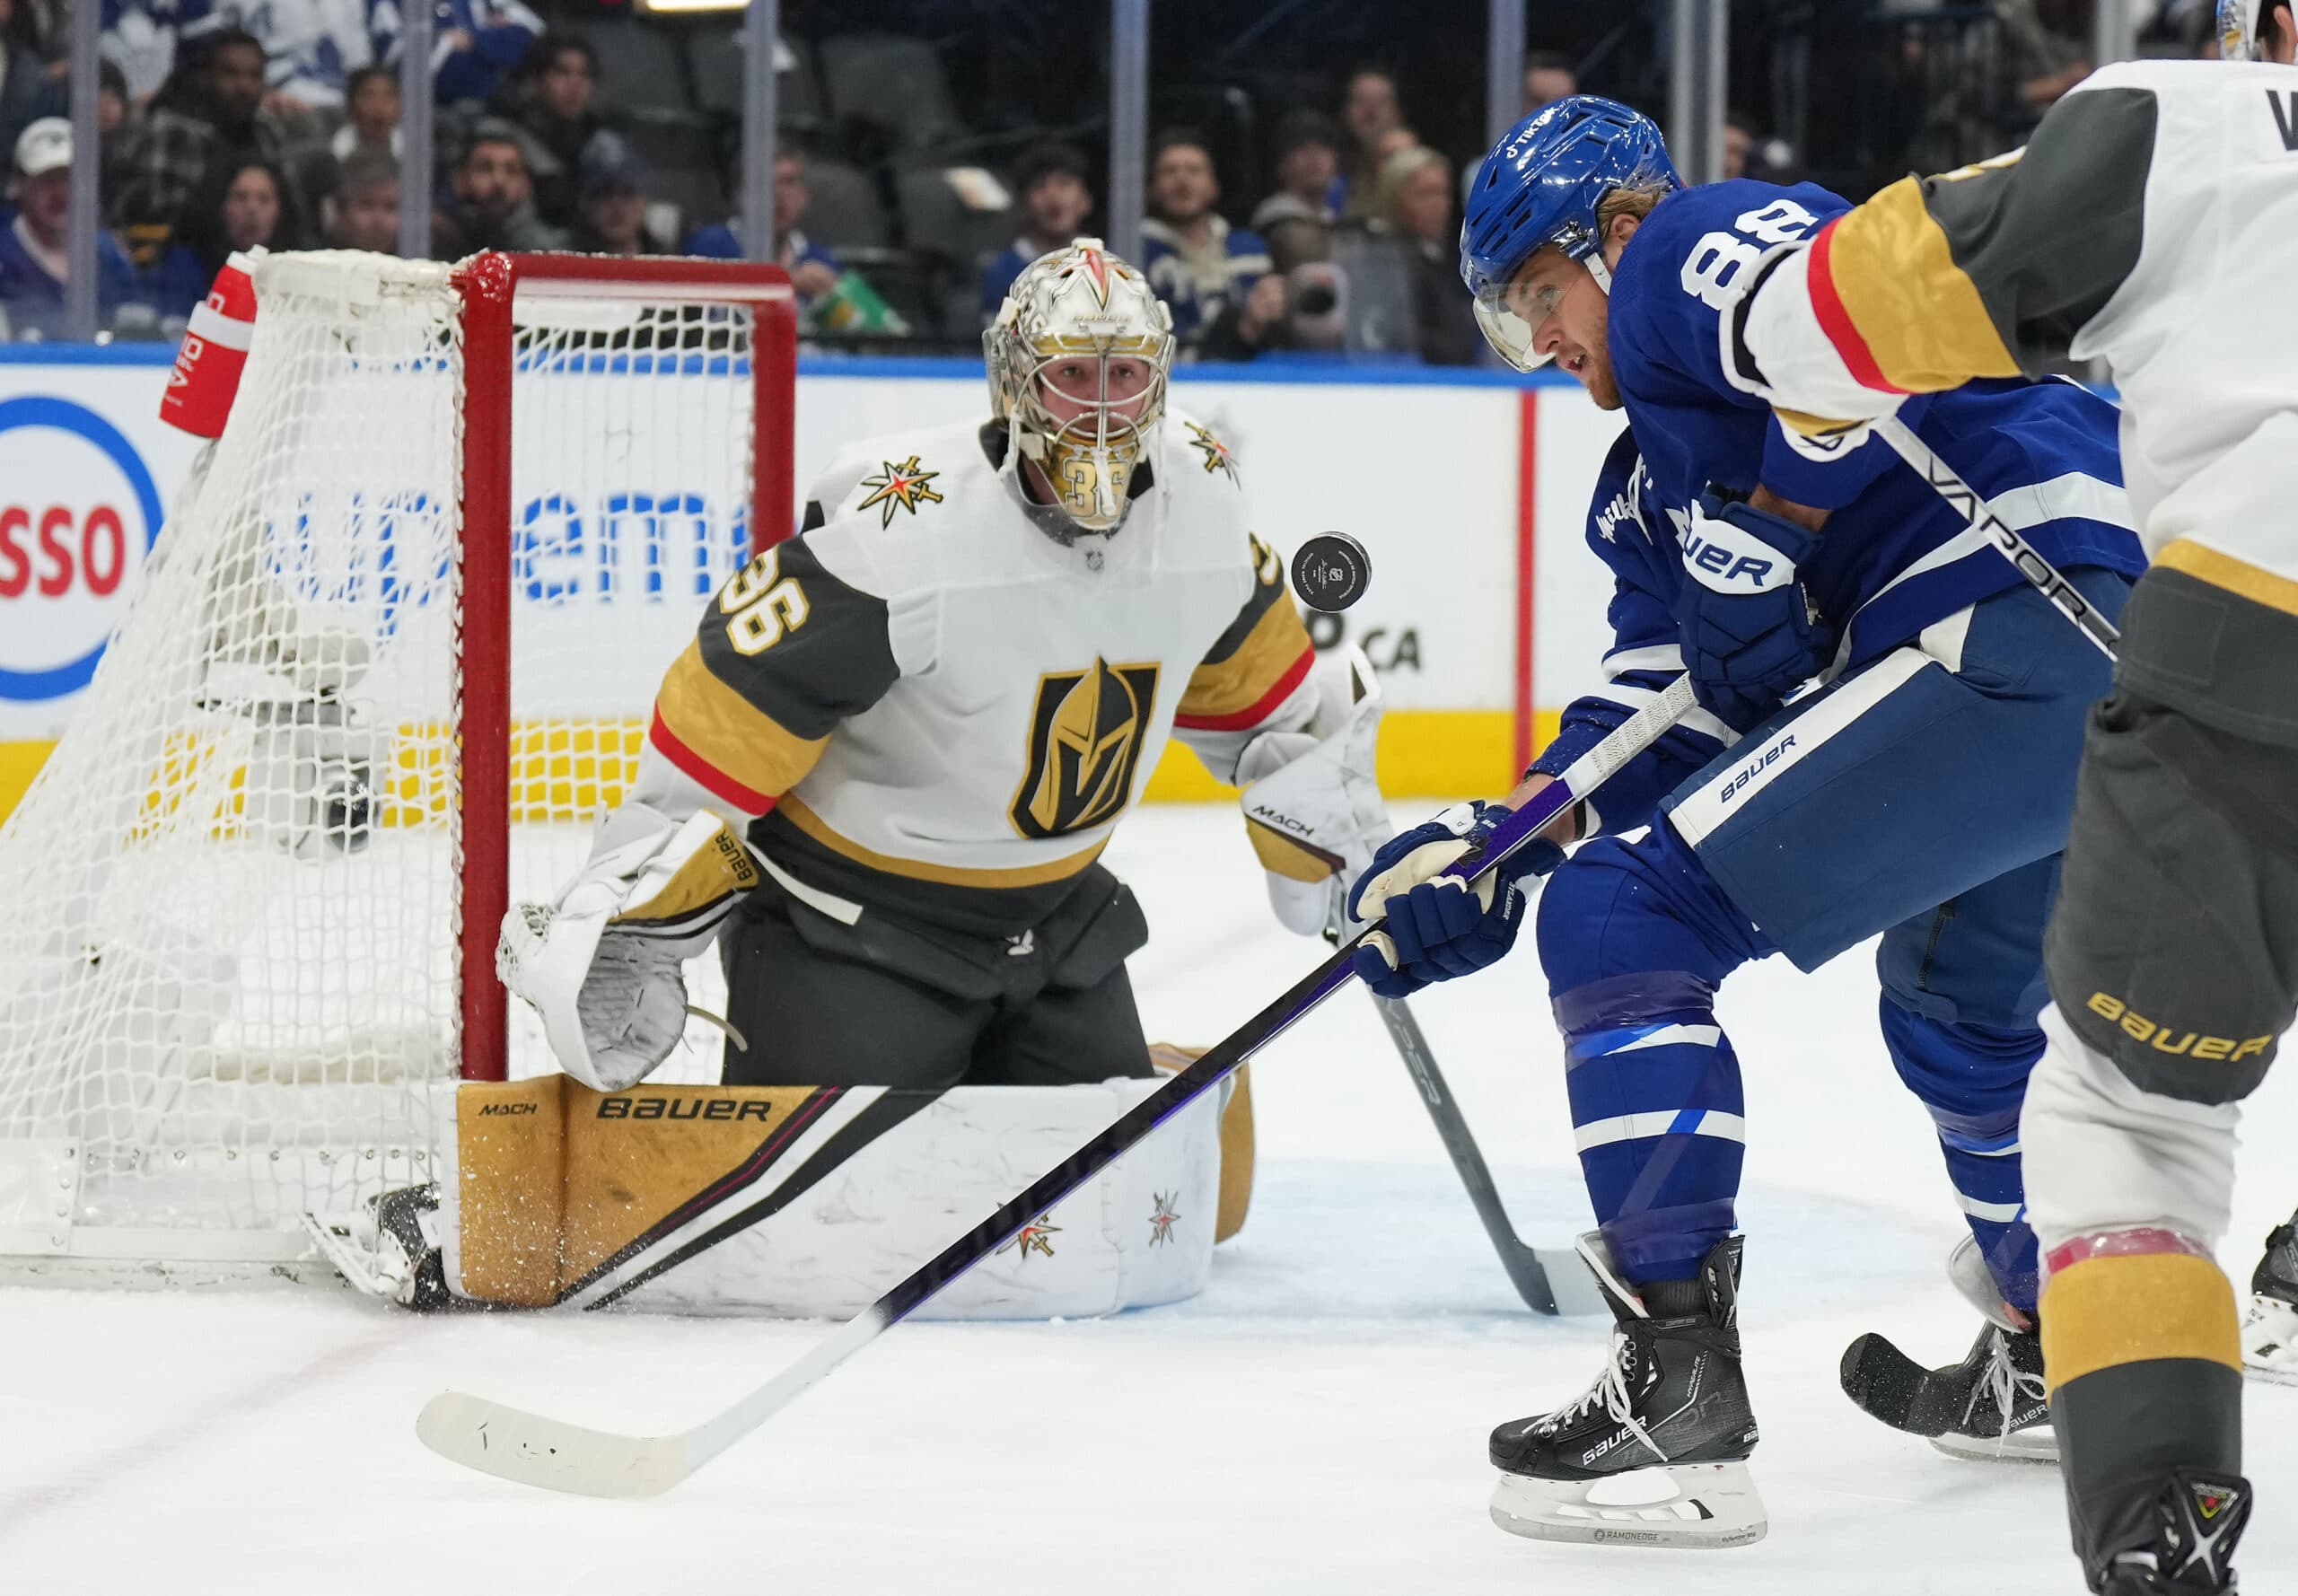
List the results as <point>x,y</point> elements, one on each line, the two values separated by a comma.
<point>1312,801</point>
<point>603,965</point>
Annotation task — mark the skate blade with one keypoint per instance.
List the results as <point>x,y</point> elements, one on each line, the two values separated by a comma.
<point>2036,1443</point>
<point>1694,1505</point>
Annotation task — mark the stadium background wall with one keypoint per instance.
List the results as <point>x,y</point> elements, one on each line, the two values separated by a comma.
<point>1484,617</point>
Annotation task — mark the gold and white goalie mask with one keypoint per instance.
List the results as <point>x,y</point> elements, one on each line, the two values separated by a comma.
<point>1078,360</point>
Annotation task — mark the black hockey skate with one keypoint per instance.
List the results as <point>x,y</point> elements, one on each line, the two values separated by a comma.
<point>1655,1454</point>
<point>2270,1327</point>
<point>1992,1406</point>
<point>2199,1519</point>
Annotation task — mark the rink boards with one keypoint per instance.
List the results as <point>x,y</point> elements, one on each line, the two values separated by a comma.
<point>1485,612</point>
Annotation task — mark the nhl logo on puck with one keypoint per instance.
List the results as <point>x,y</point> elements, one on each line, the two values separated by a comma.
<point>1330,571</point>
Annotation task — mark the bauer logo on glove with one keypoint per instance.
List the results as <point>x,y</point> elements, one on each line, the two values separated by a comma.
<point>1749,632</point>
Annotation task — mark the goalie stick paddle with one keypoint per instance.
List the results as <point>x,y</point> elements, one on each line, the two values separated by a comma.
<point>536,1450</point>
<point>1550,1279</point>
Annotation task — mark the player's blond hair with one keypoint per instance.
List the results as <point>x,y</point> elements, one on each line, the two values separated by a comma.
<point>1625,202</point>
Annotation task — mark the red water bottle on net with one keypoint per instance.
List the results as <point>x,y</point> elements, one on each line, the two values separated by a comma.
<point>214,353</point>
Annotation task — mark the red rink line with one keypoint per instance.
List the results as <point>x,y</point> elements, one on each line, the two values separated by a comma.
<point>186,1432</point>
<point>1527,482</point>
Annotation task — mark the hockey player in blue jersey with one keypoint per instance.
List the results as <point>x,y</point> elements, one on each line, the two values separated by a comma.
<point>1921,791</point>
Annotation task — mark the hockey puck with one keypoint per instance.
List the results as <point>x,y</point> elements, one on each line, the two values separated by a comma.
<point>1330,571</point>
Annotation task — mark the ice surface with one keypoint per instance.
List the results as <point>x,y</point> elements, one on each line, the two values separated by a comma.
<point>1313,1424</point>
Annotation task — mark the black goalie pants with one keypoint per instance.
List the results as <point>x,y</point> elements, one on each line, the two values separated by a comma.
<point>819,1001</point>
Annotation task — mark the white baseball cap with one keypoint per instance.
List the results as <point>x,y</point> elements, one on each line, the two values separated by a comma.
<point>44,146</point>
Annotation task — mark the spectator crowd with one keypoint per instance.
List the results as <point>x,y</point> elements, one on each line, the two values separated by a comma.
<point>1330,226</point>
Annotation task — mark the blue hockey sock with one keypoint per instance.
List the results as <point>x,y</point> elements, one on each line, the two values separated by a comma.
<point>1658,1117</point>
<point>1973,1078</point>
<point>1635,938</point>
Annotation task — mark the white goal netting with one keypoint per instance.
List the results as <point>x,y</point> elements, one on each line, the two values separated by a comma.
<point>229,988</point>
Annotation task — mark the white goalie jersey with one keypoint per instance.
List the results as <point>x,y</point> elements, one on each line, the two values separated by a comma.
<point>927,701</point>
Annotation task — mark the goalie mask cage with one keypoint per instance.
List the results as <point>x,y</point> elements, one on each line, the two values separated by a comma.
<point>392,654</point>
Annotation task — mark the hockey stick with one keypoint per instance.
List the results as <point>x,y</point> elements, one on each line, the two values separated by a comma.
<point>532,1449</point>
<point>1551,1280</point>
<point>1966,500</point>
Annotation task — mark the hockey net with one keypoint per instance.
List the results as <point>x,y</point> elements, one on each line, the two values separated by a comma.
<point>392,654</point>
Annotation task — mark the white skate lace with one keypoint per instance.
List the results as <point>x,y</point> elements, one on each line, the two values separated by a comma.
<point>1611,1388</point>
<point>2009,1386</point>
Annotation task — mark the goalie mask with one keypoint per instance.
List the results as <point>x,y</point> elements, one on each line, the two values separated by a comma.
<point>1078,359</point>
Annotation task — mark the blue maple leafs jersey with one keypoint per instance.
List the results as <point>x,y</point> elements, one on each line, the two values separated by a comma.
<point>1893,557</point>
<point>1637,541</point>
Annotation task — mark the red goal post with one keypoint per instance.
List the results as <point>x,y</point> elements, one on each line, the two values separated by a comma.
<point>492,285</point>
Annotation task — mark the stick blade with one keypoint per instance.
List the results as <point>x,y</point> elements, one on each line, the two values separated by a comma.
<point>531,1450</point>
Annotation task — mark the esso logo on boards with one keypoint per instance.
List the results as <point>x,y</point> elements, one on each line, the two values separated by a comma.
<point>79,513</point>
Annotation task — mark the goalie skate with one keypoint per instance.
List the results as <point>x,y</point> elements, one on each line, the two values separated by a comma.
<point>1654,1452</point>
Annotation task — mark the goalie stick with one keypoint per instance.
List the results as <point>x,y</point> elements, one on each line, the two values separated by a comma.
<point>537,1451</point>
<point>1550,1279</point>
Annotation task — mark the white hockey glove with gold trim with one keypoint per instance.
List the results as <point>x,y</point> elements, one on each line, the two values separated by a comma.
<point>603,965</point>
<point>1312,801</point>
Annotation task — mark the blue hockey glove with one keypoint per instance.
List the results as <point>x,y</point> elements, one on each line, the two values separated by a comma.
<point>1440,926</point>
<point>1750,633</point>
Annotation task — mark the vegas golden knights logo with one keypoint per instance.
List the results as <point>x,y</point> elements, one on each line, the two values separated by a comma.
<point>1084,742</point>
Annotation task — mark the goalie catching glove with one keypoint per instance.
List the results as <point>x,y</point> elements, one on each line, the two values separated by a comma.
<point>1312,801</point>
<point>603,965</point>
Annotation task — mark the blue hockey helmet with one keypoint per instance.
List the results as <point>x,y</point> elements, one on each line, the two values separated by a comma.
<point>1540,186</point>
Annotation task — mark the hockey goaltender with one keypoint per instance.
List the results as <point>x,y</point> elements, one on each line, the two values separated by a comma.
<point>879,780</point>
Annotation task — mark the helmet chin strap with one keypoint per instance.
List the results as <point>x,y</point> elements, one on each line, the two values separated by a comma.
<point>1595,262</point>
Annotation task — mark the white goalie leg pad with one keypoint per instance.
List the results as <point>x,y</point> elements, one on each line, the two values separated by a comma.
<point>2270,1341</point>
<point>2102,1155</point>
<point>603,965</point>
<point>1697,1506</point>
<point>1313,800</point>
<point>838,1197</point>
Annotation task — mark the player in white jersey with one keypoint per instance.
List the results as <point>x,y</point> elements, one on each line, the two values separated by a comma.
<point>2152,221</point>
<point>926,714</point>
